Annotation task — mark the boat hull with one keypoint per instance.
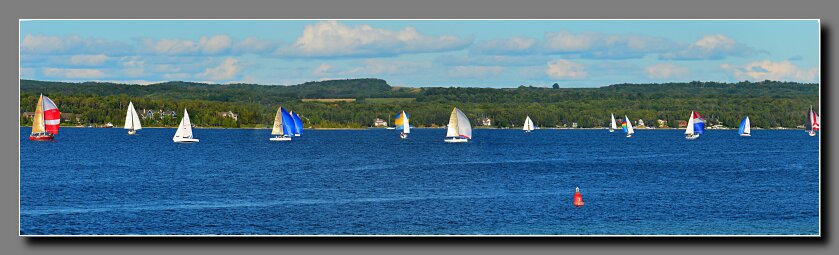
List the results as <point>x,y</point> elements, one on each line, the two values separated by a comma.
<point>41,137</point>
<point>745,135</point>
<point>296,134</point>
<point>692,137</point>
<point>611,130</point>
<point>456,140</point>
<point>811,133</point>
<point>185,140</point>
<point>132,132</point>
<point>279,139</point>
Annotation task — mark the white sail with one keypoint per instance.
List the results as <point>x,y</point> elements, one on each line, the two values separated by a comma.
<point>406,127</point>
<point>528,124</point>
<point>459,125</point>
<point>277,129</point>
<point>614,125</point>
<point>185,128</point>
<point>452,127</point>
<point>132,120</point>
<point>629,129</point>
<point>748,127</point>
<point>689,129</point>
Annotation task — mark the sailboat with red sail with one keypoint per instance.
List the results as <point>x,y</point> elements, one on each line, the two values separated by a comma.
<point>46,121</point>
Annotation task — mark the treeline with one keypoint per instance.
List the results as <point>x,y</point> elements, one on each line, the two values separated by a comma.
<point>768,103</point>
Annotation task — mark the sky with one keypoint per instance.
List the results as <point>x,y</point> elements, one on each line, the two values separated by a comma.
<point>421,53</point>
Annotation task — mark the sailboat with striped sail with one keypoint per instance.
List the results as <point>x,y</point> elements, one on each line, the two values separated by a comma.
<point>283,127</point>
<point>745,127</point>
<point>132,121</point>
<point>528,125</point>
<point>627,126</point>
<point>695,127</point>
<point>46,121</point>
<point>459,128</point>
<point>613,125</point>
<point>184,133</point>
<point>403,122</point>
<point>813,122</point>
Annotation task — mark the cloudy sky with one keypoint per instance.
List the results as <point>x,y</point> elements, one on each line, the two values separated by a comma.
<point>475,53</point>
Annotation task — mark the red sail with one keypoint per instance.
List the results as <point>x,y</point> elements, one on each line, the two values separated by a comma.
<point>52,117</point>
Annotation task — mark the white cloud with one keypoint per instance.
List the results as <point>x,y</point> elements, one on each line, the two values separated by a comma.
<point>564,69</point>
<point>716,46</point>
<point>73,73</point>
<point>255,45</point>
<point>225,71</point>
<point>40,44</point>
<point>666,71</point>
<point>769,70</point>
<point>475,71</point>
<point>334,39</point>
<point>322,69</point>
<point>515,45</point>
<point>88,60</point>
<point>205,45</point>
<point>597,45</point>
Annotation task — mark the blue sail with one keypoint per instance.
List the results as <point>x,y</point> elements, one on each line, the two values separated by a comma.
<point>742,129</point>
<point>288,123</point>
<point>699,126</point>
<point>298,123</point>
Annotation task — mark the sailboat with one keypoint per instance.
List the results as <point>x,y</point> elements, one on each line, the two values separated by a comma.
<point>695,127</point>
<point>388,121</point>
<point>528,125</point>
<point>46,121</point>
<point>283,126</point>
<point>613,125</point>
<point>132,121</point>
<point>184,133</point>
<point>627,126</point>
<point>402,121</point>
<point>745,127</point>
<point>298,123</point>
<point>459,128</point>
<point>813,122</point>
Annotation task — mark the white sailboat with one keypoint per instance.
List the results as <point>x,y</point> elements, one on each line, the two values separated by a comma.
<point>184,133</point>
<point>613,125</point>
<point>132,121</point>
<point>628,128</point>
<point>282,129</point>
<point>459,128</point>
<point>695,127</point>
<point>745,127</point>
<point>528,125</point>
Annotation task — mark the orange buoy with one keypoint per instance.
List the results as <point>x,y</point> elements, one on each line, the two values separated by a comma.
<point>578,198</point>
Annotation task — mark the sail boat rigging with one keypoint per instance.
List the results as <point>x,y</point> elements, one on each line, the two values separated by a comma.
<point>528,125</point>
<point>459,128</point>
<point>627,126</point>
<point>695,127</point>
<point>403,121</point>
<point>132,121</point>
<point>745,127</point>
<point>813,122</point>
<point>46,121</point>
<point>184,133</point>
<point>283,127</point>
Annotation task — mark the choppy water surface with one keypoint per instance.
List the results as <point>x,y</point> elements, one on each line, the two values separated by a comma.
<point>102,181</point>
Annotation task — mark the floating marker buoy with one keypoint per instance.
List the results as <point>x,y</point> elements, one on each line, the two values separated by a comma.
<point>578,198</point>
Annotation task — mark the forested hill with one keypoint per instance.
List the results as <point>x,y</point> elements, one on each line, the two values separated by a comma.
<point>768,103</point>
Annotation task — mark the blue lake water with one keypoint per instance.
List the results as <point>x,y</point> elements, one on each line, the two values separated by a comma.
<point>102,181</point>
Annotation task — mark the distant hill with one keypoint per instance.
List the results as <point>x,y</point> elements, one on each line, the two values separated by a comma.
<point>769,103</point>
